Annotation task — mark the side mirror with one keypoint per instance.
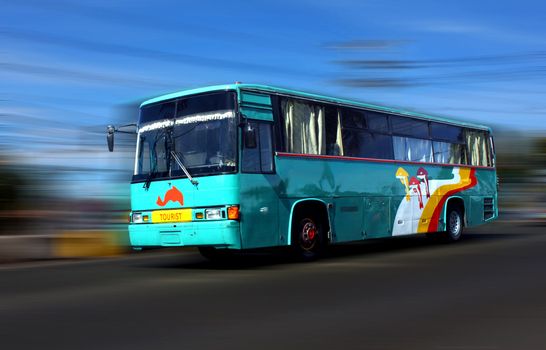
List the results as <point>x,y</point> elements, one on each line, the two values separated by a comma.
<point>110,130</point>
<point>249,136</point>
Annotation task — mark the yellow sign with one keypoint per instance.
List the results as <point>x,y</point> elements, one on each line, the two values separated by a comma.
<point>178,215</point>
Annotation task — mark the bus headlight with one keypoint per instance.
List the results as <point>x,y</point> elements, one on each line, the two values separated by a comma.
<point>137,218</point>
<point>213,214</point>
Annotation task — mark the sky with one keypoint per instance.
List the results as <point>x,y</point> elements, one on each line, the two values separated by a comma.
<point>69,68</point>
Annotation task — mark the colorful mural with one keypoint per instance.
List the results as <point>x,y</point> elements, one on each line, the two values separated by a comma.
<point>425,198</point>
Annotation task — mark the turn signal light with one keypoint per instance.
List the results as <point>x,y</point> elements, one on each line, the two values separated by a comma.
<point>233,212</point>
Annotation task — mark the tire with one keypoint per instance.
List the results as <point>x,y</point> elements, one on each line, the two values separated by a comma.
<point>308,238</point>
<point>216,255</point>
<point>454,224</point>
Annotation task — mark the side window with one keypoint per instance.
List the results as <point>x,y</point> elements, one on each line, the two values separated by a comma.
<point>492,150</point>
<point>448,143</point>
<point>354,118</point>
<point>446,132</point>
<point>414,150</point>
<point>334,143</point>
<point>449,153</point>
<point>259,157</point>
<point>478,148</point>
<point>377,122</point>
<point>409,127</point>
<point>366,144</point>
<point>365,134</point>
<point>304,127</point>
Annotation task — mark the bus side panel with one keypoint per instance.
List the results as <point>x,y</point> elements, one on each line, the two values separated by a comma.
<point>478,210</point>
<point>377,199</point>
<point>377,220</point>
<point>284,217</point>
<point>347,219</point>
<point>474,211</point>
<point>476,199</point>
<point>259,210</point>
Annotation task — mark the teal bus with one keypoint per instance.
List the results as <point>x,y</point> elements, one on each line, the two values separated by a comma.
<point>244,166</point>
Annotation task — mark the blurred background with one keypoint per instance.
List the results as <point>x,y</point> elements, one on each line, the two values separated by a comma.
<point>69,68</point>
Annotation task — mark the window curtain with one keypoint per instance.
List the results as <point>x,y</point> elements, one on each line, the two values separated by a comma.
<point>448,153</point>
<point>304,128</point>
<point>477,146</point>
<point>339,137</point>
<point>456,154</point>
<point>410,149</point>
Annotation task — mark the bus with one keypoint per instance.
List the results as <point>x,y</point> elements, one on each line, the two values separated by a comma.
<point>243,166</point>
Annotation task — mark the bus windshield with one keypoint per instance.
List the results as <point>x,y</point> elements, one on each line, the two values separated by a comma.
<point>204,141</point>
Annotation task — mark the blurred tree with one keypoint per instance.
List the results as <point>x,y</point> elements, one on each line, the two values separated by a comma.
<point>540,152</point>
<point>11,192</point>
<point>11,184</point>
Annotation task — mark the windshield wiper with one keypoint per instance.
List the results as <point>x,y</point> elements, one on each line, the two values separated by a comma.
<point>184,169</point>
<point>149,180</point>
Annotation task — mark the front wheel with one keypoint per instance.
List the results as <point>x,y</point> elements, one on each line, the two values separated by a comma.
<point>308,238</point>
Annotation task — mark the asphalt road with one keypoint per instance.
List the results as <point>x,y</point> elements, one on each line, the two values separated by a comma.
<point>486,292</point>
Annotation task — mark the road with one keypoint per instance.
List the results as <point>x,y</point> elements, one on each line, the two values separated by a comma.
<point>486,292</point>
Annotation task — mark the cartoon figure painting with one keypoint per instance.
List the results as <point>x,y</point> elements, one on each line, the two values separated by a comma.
<point>420,213</point>
<point>422,174</point>
<point>402,175</point>
<point>415,186</point>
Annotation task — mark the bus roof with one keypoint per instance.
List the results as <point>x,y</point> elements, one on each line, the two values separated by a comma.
<point>282,91</point>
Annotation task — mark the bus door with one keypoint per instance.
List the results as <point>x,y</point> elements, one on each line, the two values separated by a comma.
<point>259,200</point>
<point>258,181</point>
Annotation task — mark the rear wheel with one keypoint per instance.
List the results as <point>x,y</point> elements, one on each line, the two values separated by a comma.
<point>307,237</point>
<point>454,224</point>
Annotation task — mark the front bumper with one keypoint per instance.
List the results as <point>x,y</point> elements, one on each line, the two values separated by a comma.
<point>222,233</point>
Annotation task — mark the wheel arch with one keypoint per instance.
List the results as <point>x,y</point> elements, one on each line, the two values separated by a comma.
<point>455,201</point>
<point>308,202</point>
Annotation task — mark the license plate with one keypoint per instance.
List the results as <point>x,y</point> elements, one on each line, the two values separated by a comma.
<point>177,215</point>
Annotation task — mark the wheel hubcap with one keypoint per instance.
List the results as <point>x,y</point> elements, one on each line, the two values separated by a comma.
<point>308,235</point>
<point>454,224</point>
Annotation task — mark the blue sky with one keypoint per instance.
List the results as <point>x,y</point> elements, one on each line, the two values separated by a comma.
<point>67,68</point>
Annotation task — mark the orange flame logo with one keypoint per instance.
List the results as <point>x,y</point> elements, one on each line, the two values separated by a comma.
<point>172,195</point>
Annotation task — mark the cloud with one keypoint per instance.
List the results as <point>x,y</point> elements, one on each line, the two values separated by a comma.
<point>487,32</point>
<point>369,44</point>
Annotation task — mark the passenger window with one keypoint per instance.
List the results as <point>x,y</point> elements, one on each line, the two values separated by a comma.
<point>353,118</point>
<point>446,132</point>
<point>377,122</point>
<point>304,127</point>
<point>365,144</point>
<point>492,150</point>
<point>334,144</point>
<point>477,146</point>
<point>409,127</point>
<point>414,150</point>
<point>449,153</point>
